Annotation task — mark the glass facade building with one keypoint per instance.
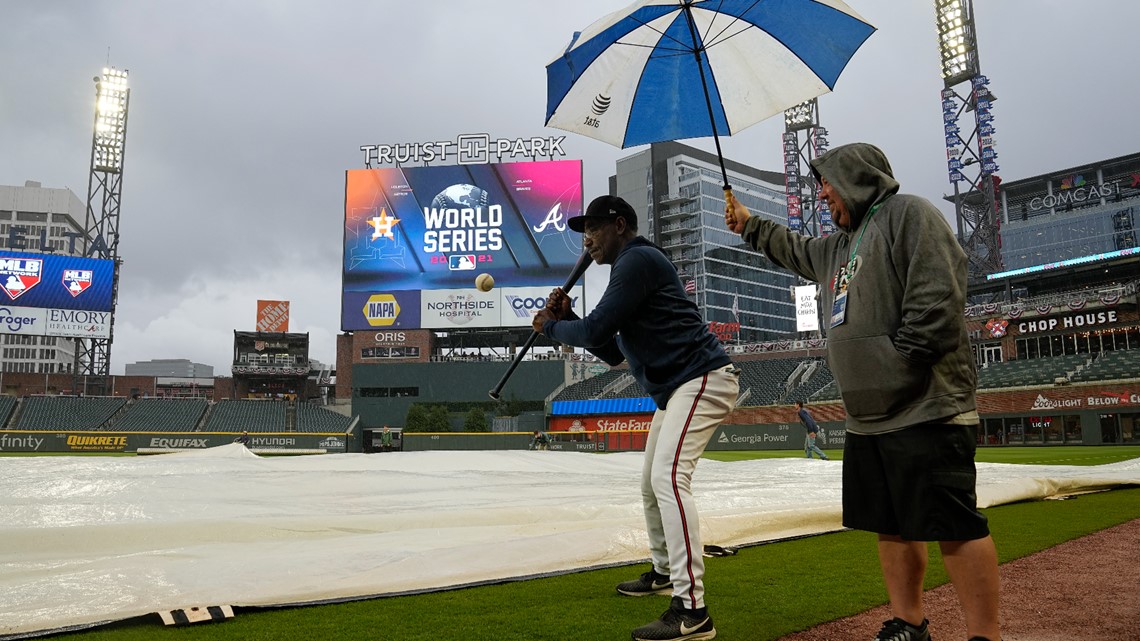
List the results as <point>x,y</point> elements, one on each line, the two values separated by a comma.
<point>677,191</point>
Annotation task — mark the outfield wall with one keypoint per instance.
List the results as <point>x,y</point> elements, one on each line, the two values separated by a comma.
<point>159,442</point>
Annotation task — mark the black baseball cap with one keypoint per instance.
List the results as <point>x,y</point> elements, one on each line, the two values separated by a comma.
<point>606,208</point>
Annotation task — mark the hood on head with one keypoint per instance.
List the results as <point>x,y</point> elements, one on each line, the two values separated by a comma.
<point>860,173</point>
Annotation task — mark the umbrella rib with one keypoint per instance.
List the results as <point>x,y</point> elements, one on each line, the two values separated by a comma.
<point>735,19</point>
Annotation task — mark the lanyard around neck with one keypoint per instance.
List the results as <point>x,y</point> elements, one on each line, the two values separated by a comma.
<point>863,227</point>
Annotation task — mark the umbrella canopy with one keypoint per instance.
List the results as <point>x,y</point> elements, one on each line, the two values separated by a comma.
<point>671,69</point>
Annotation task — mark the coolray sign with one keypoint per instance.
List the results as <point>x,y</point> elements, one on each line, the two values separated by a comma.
<point>519,304</point>
<point>77,323</point>
<point>1075,195</point>
<point>1073,321</point>
<point>421,229</point>
<point>467,149</point>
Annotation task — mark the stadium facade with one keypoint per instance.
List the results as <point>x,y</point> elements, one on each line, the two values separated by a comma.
<point>34,218</point>
<point>1071,213</point>
<point>678,193</point>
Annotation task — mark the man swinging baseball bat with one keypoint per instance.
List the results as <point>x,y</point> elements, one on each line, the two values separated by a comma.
<point>584,262</point>
<point>678,362</point>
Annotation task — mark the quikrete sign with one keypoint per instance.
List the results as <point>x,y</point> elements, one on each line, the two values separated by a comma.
<point>1091,319</point>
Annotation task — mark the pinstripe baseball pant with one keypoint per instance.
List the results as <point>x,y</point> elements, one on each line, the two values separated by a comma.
<point>677,438</point>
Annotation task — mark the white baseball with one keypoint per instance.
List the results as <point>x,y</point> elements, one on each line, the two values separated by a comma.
<point>484,282</point>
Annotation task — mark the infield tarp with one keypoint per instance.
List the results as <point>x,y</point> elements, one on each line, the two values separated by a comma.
<point>92,539</point>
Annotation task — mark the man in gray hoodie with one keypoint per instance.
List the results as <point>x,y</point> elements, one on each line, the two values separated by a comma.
<point>894,289</point>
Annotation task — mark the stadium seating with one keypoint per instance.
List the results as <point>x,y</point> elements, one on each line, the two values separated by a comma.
<point>7,406</point>
<point>1110,366</point>
<point>67,412</point>
<point>591,387</point>
<point>818,381</point>
<point>1029,371</point>
<point>829,392</point>
<point>247,415</point>
<point>313,418</point>
<point>161,415</point>
<point>766,379</point>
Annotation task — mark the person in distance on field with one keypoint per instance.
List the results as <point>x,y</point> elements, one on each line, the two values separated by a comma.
<point>644,318</point>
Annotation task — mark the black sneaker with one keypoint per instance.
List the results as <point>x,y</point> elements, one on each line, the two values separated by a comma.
<point>678,624</point>
<point>898,630</point>
<point>649,583</point>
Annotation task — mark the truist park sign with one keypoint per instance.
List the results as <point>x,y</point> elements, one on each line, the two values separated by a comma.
<point>466,149</point>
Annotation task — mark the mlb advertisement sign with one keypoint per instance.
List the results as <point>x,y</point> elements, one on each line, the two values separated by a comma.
<point>416,238</point>
<point>52,281</point>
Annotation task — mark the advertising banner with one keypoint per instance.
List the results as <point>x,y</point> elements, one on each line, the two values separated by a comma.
<point>272,315</point>
<point>416,237</point>
<point>53,281</point>
<point>107,442</point>
<point>807,316</point>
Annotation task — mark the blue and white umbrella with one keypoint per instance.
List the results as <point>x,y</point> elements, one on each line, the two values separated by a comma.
<point>672,69</point>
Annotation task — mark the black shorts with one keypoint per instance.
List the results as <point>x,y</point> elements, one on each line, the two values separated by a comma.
<point>917,483</point>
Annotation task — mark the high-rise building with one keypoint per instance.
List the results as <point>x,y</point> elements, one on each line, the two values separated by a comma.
<point>39,219</point>
<point>677,192</point>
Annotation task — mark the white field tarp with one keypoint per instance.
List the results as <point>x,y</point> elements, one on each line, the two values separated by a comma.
<point>85,540</point>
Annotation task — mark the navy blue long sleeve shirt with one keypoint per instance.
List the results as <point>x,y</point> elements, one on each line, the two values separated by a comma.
<point>807,420</point>
<point>645,318</point>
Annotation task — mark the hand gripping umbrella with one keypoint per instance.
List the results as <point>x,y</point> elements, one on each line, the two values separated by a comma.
<point>672,69</point>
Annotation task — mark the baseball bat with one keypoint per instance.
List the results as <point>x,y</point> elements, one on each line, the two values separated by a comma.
<point>579,268</point>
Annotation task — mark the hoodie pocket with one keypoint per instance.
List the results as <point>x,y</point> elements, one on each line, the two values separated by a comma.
<point>873,378</point>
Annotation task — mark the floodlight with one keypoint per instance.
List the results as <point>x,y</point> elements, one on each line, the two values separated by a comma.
<point>802,116</point>
<point>111,94</point>
<point>956,42</point>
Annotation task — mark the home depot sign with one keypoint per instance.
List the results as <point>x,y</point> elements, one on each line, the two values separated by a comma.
<point>272,315</point>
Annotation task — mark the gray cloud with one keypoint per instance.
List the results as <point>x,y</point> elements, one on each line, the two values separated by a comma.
<point>244,116</point>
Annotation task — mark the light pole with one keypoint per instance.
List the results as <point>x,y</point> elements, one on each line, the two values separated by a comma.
<point>101,225</point>
<point>970,154</point>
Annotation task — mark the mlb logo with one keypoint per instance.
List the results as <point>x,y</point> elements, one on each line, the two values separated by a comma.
<point>18,275</point>
<point>77,280</point>
<point>461,262</point>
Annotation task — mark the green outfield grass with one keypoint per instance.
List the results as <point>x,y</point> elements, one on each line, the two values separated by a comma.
<point>762,593</point>
<point>1032,455</point>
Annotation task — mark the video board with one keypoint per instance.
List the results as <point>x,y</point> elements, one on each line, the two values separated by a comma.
<point>415,238</point>
<point>55,295</point>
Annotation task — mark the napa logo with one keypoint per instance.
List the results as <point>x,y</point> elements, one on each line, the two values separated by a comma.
<point>76,281</point>
<point>381,310</point>
<point>18,275</point>
<point>1073,182</point>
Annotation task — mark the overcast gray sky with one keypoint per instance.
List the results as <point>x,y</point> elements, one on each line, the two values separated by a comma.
<point>245,114</point>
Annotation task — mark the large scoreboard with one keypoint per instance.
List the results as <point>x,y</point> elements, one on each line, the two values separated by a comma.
<point>55,295</point>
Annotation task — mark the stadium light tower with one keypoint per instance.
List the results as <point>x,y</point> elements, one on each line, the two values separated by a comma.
<point>970,154</point>
<point>101,225</point>
<point>806,214</point>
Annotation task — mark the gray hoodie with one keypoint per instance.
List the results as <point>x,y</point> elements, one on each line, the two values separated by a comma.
<point>901,357</point>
